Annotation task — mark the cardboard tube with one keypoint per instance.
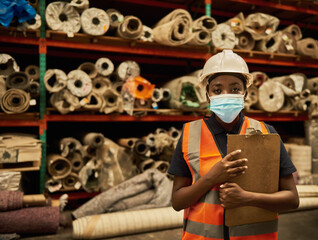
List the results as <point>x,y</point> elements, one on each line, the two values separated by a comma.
<point>34,200</point>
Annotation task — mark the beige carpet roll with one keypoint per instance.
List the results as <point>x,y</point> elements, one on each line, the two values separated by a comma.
<point>308,203</point>
<point>288,44</point>
<point>15,101</point>
<point>3,86</point>
<point>128,222</point>
<point>141,148</point>
<point>58,167</point>
<point>237,23</point>
<point>34,89</point>
<point>80,5</point>
<point>307,47</point>
<point>223,37</point>
<point>162,166</point>
<point>95,21</point>
<point>285,80</point>
<point>261,25</point>
<point>174,28</point>
<point>295,31</point>
<point>8,64</point>
<point>18,80</point>
<point>61,16</point>
<point>115,18</point>
<point>70,145</point>
<point>79,83</point>
<point>300,80</point>
<point>312,85</point>
<point>89,68</point>
<point>117,86</point>
<point>127,69</point>
<point>146,164</point>
<point>100,84</point>
<point>71,182</point>
<point>93,139</point>
<point>307,190</point>
<point>259,78</point>
<point>204,22</point>
<point>200,37</point>
<point>64,101</point>
<point>93,101</point>
<point>245,41</point>
<point>271,97</point>
<point>104,66</point>
<point>130,28</point>
<point>33,72</point>
<point>147,34</point>
<point>77,161</point>
<point>55,80</point>
<point>112,102</point>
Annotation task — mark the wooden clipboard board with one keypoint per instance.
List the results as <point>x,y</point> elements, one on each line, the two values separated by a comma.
<point>262,175</point>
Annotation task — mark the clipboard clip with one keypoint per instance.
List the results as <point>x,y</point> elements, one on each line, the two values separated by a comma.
<point>252,131</point>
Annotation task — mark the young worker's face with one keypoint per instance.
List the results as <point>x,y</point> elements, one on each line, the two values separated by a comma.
<point>226,84</point>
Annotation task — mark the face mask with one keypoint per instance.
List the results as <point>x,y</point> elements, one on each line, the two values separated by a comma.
<point>227,106</point>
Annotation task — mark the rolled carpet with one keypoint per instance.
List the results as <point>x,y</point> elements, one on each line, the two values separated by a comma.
<point>35,220</point>
<point>11,200</point>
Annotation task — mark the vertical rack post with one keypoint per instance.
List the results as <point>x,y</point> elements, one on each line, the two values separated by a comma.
<point>208,4</point>
<point>42,104</point>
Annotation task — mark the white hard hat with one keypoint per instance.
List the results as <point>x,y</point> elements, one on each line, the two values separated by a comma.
<point>225,62</point>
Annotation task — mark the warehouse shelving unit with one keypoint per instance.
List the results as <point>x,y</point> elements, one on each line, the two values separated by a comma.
<point>50,43</point>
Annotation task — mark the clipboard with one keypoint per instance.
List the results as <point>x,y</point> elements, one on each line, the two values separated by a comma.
<point>262,175</point>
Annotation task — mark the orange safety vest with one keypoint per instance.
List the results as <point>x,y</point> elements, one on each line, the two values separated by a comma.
<point>204,220</point>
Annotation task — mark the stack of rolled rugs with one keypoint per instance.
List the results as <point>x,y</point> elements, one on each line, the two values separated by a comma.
<point>97,163</point>
<point>283,93</point>
<point>18,89</point>
<point>27,214</point>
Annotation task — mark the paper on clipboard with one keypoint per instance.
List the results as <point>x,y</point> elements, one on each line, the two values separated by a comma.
<point>262,175</point>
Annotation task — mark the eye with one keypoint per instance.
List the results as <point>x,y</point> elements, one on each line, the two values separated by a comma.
<point>236,90</point>
<point>217,91</point>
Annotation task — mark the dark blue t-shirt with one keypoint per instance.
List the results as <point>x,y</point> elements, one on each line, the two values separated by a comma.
<point>179,167</point>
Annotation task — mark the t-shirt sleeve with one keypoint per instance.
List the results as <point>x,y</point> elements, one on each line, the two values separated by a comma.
<point>178,165</point>
<point>286,165</point>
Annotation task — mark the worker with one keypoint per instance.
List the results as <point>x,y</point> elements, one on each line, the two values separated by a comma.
<point>203,169</point>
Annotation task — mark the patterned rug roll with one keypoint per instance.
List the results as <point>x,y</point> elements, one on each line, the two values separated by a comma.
<point>10,200</point>
<point>15,101</point>
<point>307,47</point>
<point>94,21</point>
<point>223,37</point>
<point>130,28</point>
<point>18,80</point>
<point>61,16</point>
<point>271,97</point>
<point>55,80</point>
<point>34,220</point>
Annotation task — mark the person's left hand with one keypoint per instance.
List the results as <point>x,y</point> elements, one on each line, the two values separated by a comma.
<point>232,195</point>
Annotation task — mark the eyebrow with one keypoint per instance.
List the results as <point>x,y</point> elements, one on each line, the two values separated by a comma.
<point>220,84</point>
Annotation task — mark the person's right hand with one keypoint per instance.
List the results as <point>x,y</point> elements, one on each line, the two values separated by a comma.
<point>228,168</point>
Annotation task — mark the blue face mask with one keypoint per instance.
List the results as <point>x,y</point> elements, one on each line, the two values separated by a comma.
<point>227,106</point>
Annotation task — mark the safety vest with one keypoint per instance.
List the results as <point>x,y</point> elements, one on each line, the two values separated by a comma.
<point>204,220</point>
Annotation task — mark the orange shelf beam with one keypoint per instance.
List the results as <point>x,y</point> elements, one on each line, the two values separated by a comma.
<point>19,123</point>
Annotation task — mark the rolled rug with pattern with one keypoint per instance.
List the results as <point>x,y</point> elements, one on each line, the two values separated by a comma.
<point>55,80</point>
<point>80,5</point>
<point>200,37</point>
<point>237,23</point>
<point>115,18</point>
<point>61,16</point>
<point>223,37</point>
<point>147,34</point>
<point>259,78</point>
<point>15,101</point>
<point>127,69</point>
<point>79,83</point>
<point>104,66</point>
<point>93,139</point>
<point>174,28</point>
<point>245,41</point>
<point>33,220</point>
<point>10,200</point>
<point>205,22</point>
<point>100,84</point>
<point>18,80</point>
<point>128,222</point>
<point>271,97</point>
<point>95,21</point>
<point>312,85</point>
<point>58,167</point>
<point>64,101</point>
<point>34,89</point>
<point>70,145</point>
<point>112,102</point>
<point>8,64</point>
<point>33,72</point>
<point>294,30</point>
<point>307,47</point>
<point>93,101</point>
<point>71,182</point>
<point>130,28</point>
<point>261,25</point>
<point>89,68</point>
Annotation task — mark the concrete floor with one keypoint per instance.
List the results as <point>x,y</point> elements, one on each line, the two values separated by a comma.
<point>299,225</point>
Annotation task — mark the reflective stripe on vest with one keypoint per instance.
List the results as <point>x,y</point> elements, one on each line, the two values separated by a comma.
<point>204,220</point>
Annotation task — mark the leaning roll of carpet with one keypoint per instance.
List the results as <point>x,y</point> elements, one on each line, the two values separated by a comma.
<point>130,28</point>
<point>93,139</point>
<point>307,47</point>
<point>55,80</point>
<point>271,97</point>
<point>104,66</point>
<point>33,72</point>
<point>61,16</point>
<point>223,37</point>
<point>15,101</point>
<point>123,223</point>
<point>58,167</point>
<point>174,28</point>
<point>8,64</point>
<point>94,21</point>
<point>34,220</point>
<point>261,25</point>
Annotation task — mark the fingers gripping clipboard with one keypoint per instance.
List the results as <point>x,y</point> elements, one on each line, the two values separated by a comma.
<point>262,175</point>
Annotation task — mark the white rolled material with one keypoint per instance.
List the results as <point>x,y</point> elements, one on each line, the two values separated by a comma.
<point>55,80</point>
<point>89,68</point>
<point>95,21</point>
<point>128,222</point>
<point>271,97</point>
<point>61,16</point>
<point>79,83</point>
<point>8,64</point>
<point>147,34</point>
<point>104,66</point>
<point>307,47</point>
<point>115,18</point>
<point>223,37</point>
<point>80,5</point>
<point>128,69</point>
<point>130,28</point>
